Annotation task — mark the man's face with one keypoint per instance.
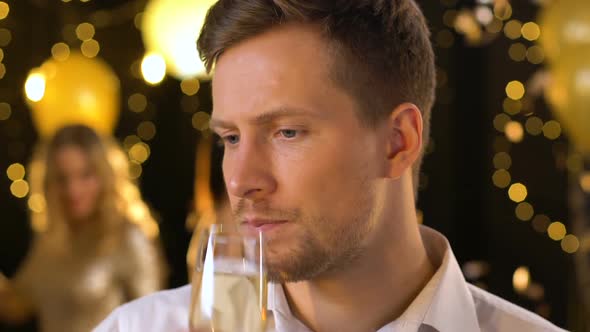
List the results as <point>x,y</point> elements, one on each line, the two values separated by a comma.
<point>298,163</point>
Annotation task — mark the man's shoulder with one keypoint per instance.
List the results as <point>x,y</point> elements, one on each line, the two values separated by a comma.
<point>167,308</point>
<point>497,314</point>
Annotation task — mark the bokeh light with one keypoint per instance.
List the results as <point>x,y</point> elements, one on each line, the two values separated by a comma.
<point>517,52</point>
<point>515,90</point>
<point>36,203</point>
<point>531,31</point>
<point>5,111</point>
<point>503,10</point>
<point>190,86</point>
<point>514,132</point>
<point>501,178</point>
<point>512,29</point>
<point>137,102</point>
<point>60,51</point>
<point>153,68</point>
<point>90,48</point>
<point>524,211</point>
<point>534,126</point>
<point>85,31</point>
<point>5,37</point>
<point>135,170</point>
<point>35,86</point>
<point>19,188</point>
<point>502,160</point>
<point>512,107</point>
<point>139,152</point>
<point>535,55</point>
<point>521,279</point>
<point>556,231</point>
<point>517,192</point>
<point>200,121</point>
<point>570,244</point>
<point>15,172</point>
<point>146,130</point>
<point>130,141</point>
<point>585,181</point>
<point>500,121</point>
<point>552,129</point>
<point>4,10</point>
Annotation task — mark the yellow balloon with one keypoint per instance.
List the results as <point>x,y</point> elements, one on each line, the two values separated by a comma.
<point>565,27</point>
<point>78,90</point>
<point>569,95</point>
<point>171,28</point>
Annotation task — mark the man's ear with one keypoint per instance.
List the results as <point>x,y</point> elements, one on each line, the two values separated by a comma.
<point>404,138</point>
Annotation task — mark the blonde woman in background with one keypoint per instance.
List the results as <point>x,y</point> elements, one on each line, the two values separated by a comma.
<point>96,243</point>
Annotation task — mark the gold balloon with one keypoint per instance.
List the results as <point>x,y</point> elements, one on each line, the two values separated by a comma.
<point>569,95</point>
<point>565,27</point>
<point>78,90</point>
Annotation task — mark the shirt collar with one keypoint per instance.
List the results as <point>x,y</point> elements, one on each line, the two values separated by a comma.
<point>445,303</point>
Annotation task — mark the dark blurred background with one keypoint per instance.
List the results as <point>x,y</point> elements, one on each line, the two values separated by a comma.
<point>464,192</point>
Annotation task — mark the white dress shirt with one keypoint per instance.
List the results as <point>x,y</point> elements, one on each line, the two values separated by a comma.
<point>446,304</point>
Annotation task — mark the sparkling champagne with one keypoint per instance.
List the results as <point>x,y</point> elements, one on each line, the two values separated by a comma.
<point>230,297</point>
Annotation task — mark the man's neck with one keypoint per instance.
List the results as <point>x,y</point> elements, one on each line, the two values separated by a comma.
<point>376,290</point>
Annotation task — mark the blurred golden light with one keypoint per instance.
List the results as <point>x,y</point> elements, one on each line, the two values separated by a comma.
<point>85,31</point>
<point>135,69</point>
<point>535,55</point>
<point>570,244</point>
<point>35,86</point>
<point>540,223</point>
<point>517,52</point>
<point>445,38</point>
<point>556,231</point>
<point>514,132</point>
<point>512,29</point>
<point>500,121</point>
<point>517,192</point>
<point>135,170</point>
<point>190,86</point>
<point>146,130</point>
<point>200,121</point>
<point>130,141</point>
<point>1,55</point>
<point>153,68</point>
<point>5,37</point>
<point>503,11</point>
<point>502,160</point>
<point>585,182</point>
<point>501,178</point>
<point>2,70</point>
<point>534,125</point>
<point>139,152</point>
<point>552,129</point>
<point>521,279</point>
<point>19,188</point>
<point>60,51</point>
<point>574,163</point>
<point>15,172</point>
<point>4,10</point>
<point>524,211</point>
<point>5,111</point>
<point>170,28</point>
<point>137,102</point>
<point>449,18</point>
<point>495,26</point>
<point>531,31</point>
<point>90,48</point>
<point>515,90</point>
<point>512,107</point>
<point>36,203</point>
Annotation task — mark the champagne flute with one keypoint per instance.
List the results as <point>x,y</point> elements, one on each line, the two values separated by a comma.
<point>229,287</point>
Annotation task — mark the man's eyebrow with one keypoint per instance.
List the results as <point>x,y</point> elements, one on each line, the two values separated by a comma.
<point>267,117</point>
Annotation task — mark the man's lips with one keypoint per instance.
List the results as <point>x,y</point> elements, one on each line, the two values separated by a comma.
<point>263,224</point>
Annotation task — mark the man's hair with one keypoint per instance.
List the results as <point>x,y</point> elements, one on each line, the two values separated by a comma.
<point>381,48</point>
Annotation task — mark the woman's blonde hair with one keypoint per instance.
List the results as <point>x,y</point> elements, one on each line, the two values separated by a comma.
<point>119,202</point>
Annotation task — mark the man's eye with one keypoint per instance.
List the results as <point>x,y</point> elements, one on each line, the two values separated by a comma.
<point>231,139</point>
<point>288,133</point>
